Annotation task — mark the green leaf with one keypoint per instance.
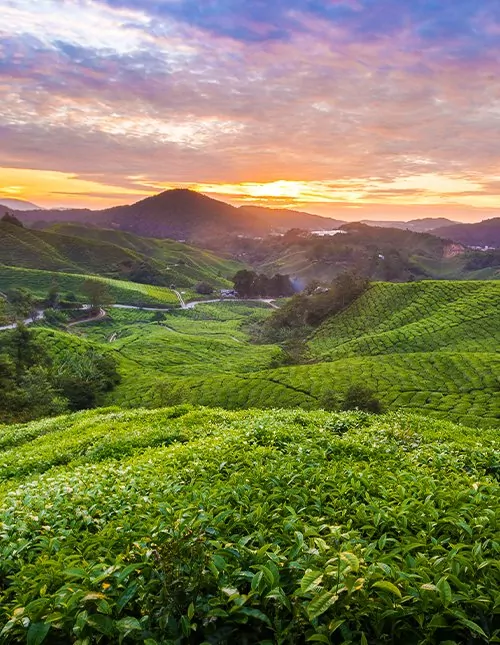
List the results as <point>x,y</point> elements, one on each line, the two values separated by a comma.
<point>385,585</point>
<point>364,640</point>
<point>126,596</point>
<point>37,633</point>
<point>255,613</point>
<point>444,589</point>
<point>190,611</point>
<point>128,624</point>
<point>351,560</point>
<point>321,603</point>
<point>474,627</point>
<point>311,581</point>
<point>319,638</point>
<point>103,624</point>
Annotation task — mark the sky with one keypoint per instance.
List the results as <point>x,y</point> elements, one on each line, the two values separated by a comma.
<point>385,109</point>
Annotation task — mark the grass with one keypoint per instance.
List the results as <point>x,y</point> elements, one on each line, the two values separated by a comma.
<point>197,525</point>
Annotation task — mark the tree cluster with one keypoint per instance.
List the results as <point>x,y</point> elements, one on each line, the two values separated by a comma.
<point>33,385</point>
<point>310,310</point>
<point>249,284</point>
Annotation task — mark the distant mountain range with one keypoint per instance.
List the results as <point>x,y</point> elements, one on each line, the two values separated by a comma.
<point>483,234</point>
<point>424,225</point>
<point>190,216</point>
<point>16,204</point>
<point>185,215</point>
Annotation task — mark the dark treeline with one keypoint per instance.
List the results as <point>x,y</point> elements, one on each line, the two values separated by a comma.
<point>249,284</point>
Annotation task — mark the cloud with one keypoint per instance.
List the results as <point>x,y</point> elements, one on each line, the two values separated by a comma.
<point>355,93</point>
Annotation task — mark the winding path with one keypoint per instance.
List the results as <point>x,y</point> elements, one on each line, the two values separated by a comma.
<point>40,314</point>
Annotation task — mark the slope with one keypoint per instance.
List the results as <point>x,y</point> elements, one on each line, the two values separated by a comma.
<point>120,291</point>
<point>80,249</point>
<point>432,346</point>
<point>280,526</point>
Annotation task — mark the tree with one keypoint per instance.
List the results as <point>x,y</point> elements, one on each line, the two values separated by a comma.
<point>53,295</point>
<point>96,293</point>
<point>8,218</point>
<point>22,302</point>
<point>244,283</point>
<point>359,397</point>
<point>204,288</point>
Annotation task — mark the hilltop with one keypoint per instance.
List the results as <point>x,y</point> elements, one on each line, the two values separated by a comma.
<point>387,254</point>
<point>16,204</point>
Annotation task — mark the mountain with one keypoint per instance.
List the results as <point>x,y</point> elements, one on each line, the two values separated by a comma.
<point>185,215</point>
<point>483,234</point>
<point>424,225</point>
<point>17,204</point>
<point>283,219</point>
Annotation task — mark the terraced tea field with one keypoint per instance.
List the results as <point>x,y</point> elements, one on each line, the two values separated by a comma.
<point>415,317</point>
<point>121,291</point>
<point>428,346</point>
<point>193,525</point>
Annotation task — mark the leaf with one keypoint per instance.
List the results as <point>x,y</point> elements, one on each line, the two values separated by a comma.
<point>351,560</point>
<point>319,638</point>
<point>364,640</point>
<point>474,627</point>
<point>321,603</point>
<point>103,624</point>
<point>311,580</point>
<point>255,613</point>
<point>128,624</point>
<point>385,585</point>
<point>190,611</point>
<point>37,633</point>
<point>444,589</point>
<point>126,596</point>
<point>127,571</point>
<point>428,587</point>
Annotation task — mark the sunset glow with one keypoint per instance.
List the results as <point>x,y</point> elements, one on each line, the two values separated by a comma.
<point>348,107</point>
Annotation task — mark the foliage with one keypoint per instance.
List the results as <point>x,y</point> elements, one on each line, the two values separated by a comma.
<point>310,310</point>
<point>188,525</point>
<point>11,219</point>
<point>204,288</point>
<point>360,397</point>
<point>249,284</point>
<point>37,382</point>
<point>96,293</point>
<point>21,302</point>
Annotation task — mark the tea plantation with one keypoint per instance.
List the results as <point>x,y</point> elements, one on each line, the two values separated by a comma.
<point>427,346</point>
<point>188,525</point>
<point>122,291</point>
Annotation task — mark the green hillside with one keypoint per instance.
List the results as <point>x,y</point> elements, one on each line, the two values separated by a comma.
<point>121,291</point>
<point>197,525</point>
<point>429,346</point>
<point>415,317</point>
<point>79,249</point>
